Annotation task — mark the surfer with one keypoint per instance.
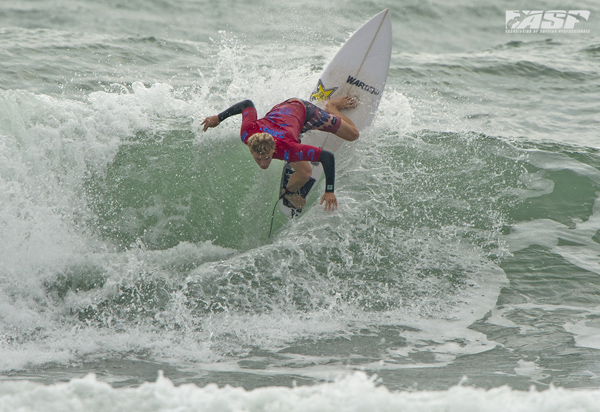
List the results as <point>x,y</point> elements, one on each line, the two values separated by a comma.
<point>276,136</point>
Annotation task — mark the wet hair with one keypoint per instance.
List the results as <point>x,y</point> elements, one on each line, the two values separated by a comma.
<point>261,143</point>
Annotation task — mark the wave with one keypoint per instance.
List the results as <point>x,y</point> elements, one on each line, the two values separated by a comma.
<point>531,70</point>
<point>128,233</point>
<point>105,194</point>
<point>346,392</point>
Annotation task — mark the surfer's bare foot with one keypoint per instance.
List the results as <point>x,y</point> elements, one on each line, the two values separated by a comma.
<point>341,103</point>
<point>296,200</point>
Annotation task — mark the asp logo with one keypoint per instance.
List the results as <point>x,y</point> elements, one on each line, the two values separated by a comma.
<point>548,21</point>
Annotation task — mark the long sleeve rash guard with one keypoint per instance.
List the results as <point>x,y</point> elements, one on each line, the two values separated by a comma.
<point>284,122</point>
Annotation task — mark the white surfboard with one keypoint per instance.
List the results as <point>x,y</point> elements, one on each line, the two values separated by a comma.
<point>358,69</point>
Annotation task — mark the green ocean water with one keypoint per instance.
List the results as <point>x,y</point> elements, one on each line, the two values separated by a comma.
<point>466,244</point>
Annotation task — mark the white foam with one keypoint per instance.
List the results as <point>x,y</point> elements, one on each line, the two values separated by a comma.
<point>583,324</point>
<point>586,330</point>
<point>353,392</point>
<point>531,370</point>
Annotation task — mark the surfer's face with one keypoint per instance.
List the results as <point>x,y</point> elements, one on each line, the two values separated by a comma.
<point>263,160</point>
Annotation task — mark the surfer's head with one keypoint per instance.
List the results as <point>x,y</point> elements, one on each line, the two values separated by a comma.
<point>262,147</point>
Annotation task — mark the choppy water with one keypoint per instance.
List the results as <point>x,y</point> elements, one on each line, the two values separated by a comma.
<point>465,250</point>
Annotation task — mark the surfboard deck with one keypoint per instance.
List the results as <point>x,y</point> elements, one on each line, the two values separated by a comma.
<point>359,69</point>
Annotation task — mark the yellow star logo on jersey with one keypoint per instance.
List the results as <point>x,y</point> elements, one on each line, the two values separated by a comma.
<point>322,93</point>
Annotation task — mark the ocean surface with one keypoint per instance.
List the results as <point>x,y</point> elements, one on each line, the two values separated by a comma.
<point>461,271</point>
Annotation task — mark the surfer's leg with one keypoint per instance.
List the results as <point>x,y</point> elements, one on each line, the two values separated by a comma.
<point>331,120</point>
<point>348,130</point>
<point>319,119</point>
<point>301,175</point>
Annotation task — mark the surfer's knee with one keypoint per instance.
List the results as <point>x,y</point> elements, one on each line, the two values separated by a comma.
<point>305,173</point>
<point>303,169</point>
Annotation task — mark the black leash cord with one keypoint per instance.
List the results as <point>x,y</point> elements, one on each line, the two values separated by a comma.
<point>273,213</point>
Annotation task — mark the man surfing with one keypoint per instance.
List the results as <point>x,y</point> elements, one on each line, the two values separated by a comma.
<point>276,136</point>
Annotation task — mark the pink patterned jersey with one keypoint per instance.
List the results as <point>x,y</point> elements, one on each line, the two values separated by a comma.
<point>285,123</point>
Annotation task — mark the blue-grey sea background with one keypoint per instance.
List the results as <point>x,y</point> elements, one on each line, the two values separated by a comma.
<point>465,251</point>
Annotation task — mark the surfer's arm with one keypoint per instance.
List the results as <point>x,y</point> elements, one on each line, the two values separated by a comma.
<point>214,121</point>
<point>235,109</point>
<point>328,162</point>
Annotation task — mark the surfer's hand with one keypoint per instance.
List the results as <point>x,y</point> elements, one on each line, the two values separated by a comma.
<point>330,201</point>
<point>211,121</point>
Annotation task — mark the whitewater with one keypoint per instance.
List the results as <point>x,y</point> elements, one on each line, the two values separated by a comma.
<point>461,271</point>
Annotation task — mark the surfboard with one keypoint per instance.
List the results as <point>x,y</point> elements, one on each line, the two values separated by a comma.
<point>358,69</point>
